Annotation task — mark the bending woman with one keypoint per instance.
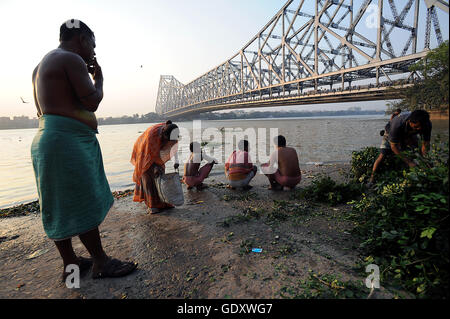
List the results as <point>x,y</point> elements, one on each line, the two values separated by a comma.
<point>151,151</point>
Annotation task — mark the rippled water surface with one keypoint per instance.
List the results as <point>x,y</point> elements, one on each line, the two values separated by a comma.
<point>321,139</point>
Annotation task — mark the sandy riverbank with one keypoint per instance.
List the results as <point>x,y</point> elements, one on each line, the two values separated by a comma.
<point>202,249</point>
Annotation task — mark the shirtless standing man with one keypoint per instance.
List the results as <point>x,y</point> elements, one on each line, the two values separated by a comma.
<point>288,173</point>
<point>74,194</point>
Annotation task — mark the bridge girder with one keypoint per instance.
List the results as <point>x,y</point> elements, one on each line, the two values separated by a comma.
<point>309,45</point>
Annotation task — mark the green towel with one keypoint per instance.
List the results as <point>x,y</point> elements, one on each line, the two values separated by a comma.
<point>74,194</point>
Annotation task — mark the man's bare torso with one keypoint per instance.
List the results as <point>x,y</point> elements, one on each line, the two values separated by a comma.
<point>53,92</point>
<point>288,161</point>
<point>191,168</point>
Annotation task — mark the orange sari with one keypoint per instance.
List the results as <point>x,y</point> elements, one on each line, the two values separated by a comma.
<point>146,154</point>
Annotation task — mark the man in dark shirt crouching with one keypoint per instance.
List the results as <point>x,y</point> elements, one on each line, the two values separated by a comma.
<point>402,134</point>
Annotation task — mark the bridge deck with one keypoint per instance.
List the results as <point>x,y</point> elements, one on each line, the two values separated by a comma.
<point>355,94</point>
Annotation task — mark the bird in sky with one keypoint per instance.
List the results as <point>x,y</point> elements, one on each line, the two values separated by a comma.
<point>23,100</point>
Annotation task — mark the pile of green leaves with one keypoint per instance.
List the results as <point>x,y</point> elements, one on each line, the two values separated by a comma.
<point>404,224</point>
<point>20,210</point>
<point>323,189</point>
<point>326,286</point>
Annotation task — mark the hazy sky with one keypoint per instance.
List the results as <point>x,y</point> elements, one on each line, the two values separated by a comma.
<point>174,37</point>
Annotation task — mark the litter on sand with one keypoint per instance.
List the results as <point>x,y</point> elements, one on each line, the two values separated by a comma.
<point>37,253</point>
<point>257,250</point>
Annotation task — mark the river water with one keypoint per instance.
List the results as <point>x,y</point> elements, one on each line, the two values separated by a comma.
<point>317,139</point>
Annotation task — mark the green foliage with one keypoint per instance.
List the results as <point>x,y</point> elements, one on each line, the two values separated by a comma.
<point>20,210</point>
<point>246,215</point>
<point>405,227</point>
<point>363,160</point>
<point>281,211</point>
<point>325,286</point>
<point>246,246</point>
<point>246,196</point>
<point>325,190</point>
<point>432,92</point>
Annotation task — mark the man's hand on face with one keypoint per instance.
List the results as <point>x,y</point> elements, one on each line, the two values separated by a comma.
<point>95,69</point>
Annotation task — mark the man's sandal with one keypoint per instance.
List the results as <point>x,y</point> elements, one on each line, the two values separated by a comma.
<point>115,268</point>
<point>83,263</point>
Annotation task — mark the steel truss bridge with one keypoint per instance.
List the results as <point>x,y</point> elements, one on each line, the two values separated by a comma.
<point>317,51</point>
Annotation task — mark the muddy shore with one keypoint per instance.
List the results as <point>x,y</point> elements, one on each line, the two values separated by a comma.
<point>202,249</point>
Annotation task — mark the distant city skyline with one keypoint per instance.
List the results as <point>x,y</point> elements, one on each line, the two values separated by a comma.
<point>365,106</point>
<point>180,38</point>
<point>24,122</point>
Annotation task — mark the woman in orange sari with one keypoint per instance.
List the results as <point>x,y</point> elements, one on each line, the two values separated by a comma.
<point>150,153</point>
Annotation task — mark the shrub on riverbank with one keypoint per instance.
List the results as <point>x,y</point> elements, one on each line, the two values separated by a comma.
<point>362,163</point>
<point>404,223</point>
<point>323,189</point>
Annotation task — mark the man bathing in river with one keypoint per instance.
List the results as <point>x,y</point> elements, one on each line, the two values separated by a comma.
<point>193,174</point>
<point>74,194</point>
<point>288,173</point>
